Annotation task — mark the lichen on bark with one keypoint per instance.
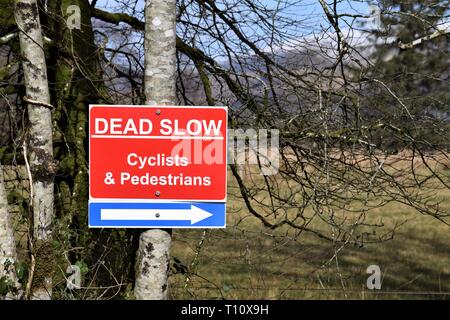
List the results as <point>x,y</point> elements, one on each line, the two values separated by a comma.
<point>45,263</point>
<point>11,288</point>
<point>40,142</point>
<point>160,88</point>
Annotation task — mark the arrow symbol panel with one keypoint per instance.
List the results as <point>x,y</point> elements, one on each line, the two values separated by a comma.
<point>193,214</point>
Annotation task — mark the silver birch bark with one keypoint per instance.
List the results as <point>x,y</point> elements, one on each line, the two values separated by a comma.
<point>153,256</point>
<point>40,152</point>
<point>8,254</point>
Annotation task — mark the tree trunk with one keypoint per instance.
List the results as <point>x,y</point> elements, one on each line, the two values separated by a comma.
<point>40,149</point>
<point>153,257</point>
<point>75,71</point>
<point>8,255</point>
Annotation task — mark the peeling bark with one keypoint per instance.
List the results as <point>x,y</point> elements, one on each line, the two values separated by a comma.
<point>160,52</point>
<point>152,265</point>
<point>40,143</point>
<point>8,254</point>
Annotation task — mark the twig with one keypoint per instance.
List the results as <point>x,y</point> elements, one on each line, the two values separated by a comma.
<point>30,237</point>
<point>32,266</point>
<point>38,103</point>
<point>5,39</point>
<point>27,165</point>
<point>417,42</point>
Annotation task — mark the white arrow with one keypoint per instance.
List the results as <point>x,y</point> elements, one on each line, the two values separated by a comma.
<point>194,214</point>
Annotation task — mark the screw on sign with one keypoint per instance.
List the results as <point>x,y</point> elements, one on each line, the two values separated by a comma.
<point>168,159</point>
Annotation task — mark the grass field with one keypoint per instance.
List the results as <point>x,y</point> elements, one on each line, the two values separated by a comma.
<point>246,261</point>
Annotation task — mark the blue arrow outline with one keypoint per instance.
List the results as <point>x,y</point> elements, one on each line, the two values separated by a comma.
<point>217,220</point>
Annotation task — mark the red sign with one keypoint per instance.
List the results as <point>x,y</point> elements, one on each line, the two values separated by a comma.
<point>157,152</point>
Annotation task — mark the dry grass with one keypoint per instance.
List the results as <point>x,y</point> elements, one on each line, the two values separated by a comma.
<point>247,261</point>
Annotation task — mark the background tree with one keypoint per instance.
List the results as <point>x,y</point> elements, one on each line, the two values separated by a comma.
<point>9,283</point>
<point>41,167</point>
<point>416,72</point>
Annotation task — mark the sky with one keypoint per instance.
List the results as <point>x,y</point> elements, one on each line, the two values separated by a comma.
<point>310,9</point>
<point>309,12</point>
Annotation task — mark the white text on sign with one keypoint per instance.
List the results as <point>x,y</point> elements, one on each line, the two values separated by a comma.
<point>168,127</point>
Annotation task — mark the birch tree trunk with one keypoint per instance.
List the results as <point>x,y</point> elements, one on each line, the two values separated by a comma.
<point>40,150</point>
<point>153,256</point>
<point>8,255</point>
